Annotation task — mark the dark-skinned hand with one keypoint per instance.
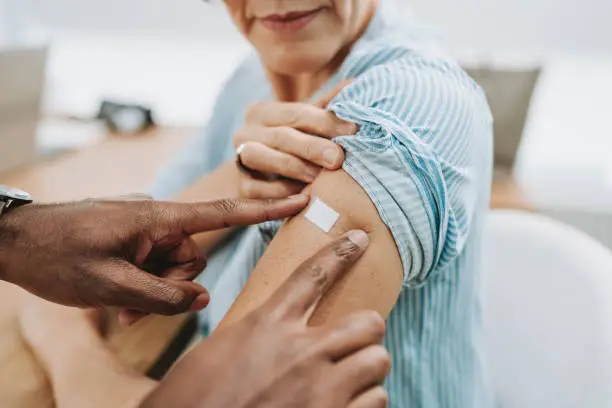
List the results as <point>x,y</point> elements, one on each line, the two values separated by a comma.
<point>136,255</point>
<point>274,359</point>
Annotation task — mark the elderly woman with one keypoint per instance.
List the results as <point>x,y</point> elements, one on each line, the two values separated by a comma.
<point>346,100</point>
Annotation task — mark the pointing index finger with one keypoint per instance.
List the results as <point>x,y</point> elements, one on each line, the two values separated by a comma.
<point>199,217</point>
<point>301,293</point>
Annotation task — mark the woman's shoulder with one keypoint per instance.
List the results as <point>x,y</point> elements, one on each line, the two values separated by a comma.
<point>415,92</point>
<point>392,67</point>
<point>414,83</point>
<point>397,45</point>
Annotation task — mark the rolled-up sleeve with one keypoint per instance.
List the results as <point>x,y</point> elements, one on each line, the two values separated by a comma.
<point>421,132</point>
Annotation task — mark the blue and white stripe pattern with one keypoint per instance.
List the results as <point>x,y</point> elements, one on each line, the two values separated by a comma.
<point>423,154</point>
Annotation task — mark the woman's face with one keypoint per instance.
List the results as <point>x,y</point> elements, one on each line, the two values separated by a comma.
<point>298,36</point>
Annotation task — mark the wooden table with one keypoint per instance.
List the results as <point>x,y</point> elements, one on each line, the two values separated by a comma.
<point>506,194</point>
<point>115,166</point>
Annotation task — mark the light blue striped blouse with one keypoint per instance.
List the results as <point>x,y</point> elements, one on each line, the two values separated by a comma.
<point>423,154</point>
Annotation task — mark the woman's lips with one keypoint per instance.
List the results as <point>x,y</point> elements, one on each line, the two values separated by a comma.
<point>289,22</point>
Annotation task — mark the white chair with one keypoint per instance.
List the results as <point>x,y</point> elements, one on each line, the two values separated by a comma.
<point>548,313</point>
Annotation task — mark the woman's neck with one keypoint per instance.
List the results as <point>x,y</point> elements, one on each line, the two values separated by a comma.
<point>299,88</point>
<point>302,87</point>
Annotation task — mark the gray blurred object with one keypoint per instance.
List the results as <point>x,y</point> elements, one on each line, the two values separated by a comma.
<point>509,93</point>
<point>22,77</point>
<point>597,224</point>
<point>547,296</point>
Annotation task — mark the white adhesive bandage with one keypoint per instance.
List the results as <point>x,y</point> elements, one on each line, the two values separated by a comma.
<point>321,215</point>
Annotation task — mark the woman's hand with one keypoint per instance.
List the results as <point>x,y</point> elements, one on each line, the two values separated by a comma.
<point>291,142</point>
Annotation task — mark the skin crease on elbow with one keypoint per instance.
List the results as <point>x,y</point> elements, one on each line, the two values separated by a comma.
<point>301,43</point>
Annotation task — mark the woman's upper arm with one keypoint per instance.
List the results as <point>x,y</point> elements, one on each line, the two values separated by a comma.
<point>415,175</point>
<point>374,283</point>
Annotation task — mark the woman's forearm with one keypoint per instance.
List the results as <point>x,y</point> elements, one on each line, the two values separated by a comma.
<point>222,183</point>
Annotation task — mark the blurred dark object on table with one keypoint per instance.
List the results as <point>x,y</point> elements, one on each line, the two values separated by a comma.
<point>125,118</point>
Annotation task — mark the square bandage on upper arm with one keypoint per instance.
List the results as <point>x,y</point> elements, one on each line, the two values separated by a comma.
<point>322,215</point>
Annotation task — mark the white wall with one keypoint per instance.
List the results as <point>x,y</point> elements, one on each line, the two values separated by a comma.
<point>170,39</point>
<point>173,17</point>
<point>560,26</point>
<point>14,16</point>
<point>483,25</point>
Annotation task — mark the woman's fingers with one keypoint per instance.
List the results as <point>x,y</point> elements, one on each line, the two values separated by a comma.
<point>259,189</point>
<point>265,159</point>
<point>305,117</point>
<point>319,151</point>
<point>290,140</point>
<point>322,152</point>
<point>375,397</point>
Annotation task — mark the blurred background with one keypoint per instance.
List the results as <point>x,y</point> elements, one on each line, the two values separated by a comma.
<point>546,66</point>
<point>163,51</point>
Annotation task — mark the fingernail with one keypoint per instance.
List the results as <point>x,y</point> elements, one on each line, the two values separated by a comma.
<point>298,197</point>
<point>200,302</point>
<point>132,320</point>
<point>123,319</point>
<point>348,129</point>
<point>312,173</point>
<point>331,156</point>
<point>127,319</point>
<point>359,238</point>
